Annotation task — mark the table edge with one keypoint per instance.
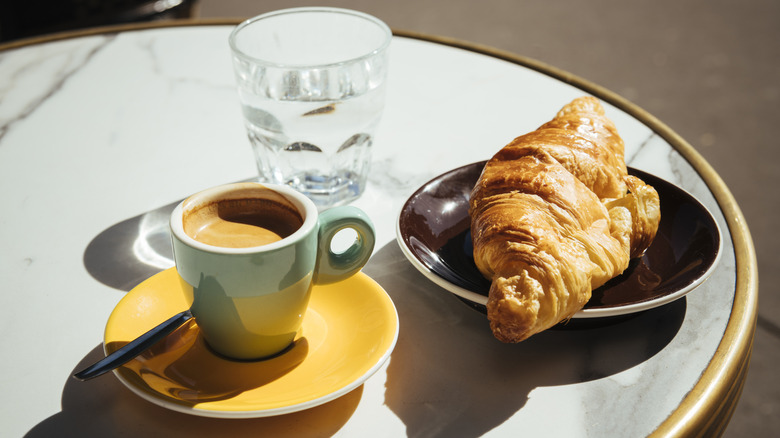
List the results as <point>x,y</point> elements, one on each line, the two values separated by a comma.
<point>707,408</point>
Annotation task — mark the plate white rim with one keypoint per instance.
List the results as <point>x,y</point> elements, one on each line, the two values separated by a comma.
<point>582,314</point>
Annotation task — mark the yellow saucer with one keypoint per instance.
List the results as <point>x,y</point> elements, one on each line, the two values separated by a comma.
<point>348,333</point>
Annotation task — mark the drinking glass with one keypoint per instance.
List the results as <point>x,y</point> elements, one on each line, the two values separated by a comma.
<point>311,82</point>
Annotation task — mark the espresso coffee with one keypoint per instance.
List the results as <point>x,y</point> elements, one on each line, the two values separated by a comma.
<point>241,223</point>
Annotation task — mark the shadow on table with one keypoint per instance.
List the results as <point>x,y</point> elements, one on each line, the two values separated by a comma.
<point>103,407</point>
<point>449,377</point>
<point>131,251</point>
<point>127,253</point>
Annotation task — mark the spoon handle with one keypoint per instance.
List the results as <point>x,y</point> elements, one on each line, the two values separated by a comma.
<point>134,348</point>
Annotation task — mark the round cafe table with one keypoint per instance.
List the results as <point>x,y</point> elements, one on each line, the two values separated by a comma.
<point>102,131</point>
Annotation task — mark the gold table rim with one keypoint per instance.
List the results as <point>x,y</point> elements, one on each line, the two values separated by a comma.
<point>707,408</point>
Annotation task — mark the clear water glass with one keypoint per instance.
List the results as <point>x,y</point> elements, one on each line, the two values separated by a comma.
<point>311,82</point>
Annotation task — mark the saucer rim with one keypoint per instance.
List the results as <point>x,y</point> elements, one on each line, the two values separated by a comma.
<point>158,399</point>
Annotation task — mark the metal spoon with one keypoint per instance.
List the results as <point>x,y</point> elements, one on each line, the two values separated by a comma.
<point>134,348</point>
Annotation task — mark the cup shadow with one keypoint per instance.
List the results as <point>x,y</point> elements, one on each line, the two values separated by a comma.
<point>132,250</point>
<point>170,368</point>
<point>104,407</point>
<point>448,376</point>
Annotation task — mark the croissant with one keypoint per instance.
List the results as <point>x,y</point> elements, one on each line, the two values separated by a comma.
<point>555,215</point>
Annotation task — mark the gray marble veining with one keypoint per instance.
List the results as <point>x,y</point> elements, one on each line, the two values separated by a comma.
<point>104,132</point>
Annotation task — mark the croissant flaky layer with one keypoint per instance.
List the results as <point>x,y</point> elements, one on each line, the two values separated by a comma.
<point>555,215</point>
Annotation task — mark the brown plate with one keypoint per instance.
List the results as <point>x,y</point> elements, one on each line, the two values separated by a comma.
<point>434,233</point>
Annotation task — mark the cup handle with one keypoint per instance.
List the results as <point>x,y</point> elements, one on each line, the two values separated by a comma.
<point>333,267</point>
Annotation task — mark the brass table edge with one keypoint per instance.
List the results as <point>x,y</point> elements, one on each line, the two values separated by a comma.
<point>707,408</point>
<point>116,28</point>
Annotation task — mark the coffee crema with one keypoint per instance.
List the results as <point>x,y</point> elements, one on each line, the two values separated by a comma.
<point>241,223</point>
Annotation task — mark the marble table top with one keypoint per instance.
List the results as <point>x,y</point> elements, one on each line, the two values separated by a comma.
<point>100,134</point>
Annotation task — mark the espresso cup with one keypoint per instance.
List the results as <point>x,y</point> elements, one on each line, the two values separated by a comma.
<point>249,253</point>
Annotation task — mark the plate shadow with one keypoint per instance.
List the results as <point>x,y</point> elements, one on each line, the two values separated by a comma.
<point>448,376</point>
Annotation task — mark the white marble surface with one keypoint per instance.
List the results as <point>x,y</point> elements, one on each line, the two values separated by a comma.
<point>99,134</point>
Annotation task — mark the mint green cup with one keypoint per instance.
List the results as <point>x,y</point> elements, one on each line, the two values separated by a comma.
<point>249,303</point>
